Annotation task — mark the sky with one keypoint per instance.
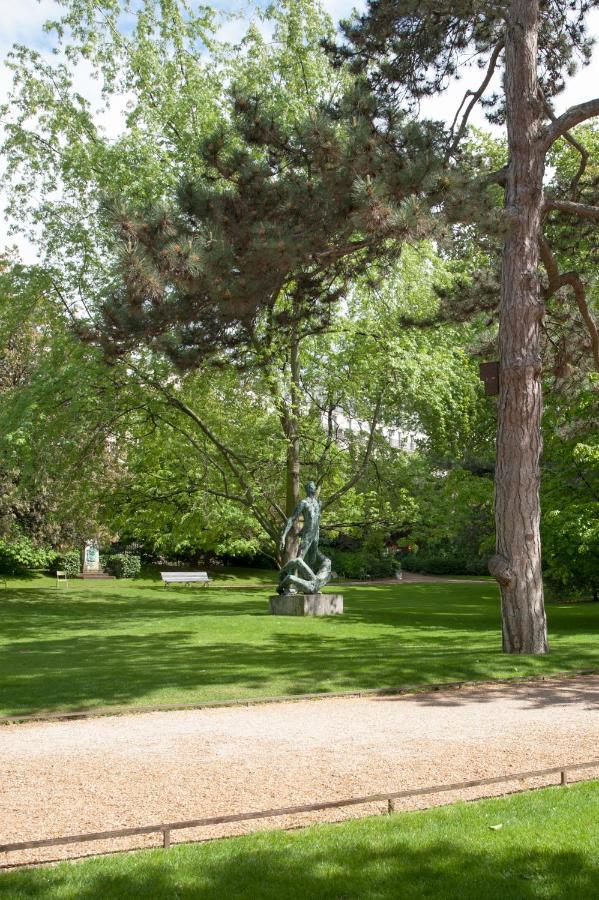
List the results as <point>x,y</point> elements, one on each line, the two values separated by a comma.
<point>22,21</point>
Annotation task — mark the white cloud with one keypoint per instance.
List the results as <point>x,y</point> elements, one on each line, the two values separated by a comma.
<point>22,21</point>
<point>342,9</point>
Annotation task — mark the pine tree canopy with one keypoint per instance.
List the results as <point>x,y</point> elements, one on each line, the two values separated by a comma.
<point>412,47</point>
<point>408,50</point>
<point>273,231</point>
<point>287,211</point>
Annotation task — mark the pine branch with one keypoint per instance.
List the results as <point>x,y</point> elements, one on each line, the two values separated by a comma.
<point>567,206</point>
<point>572,117</point>
<point>498,177</point>
<point>584,153</point>
<point>558,280</point>
<point>476,95</point>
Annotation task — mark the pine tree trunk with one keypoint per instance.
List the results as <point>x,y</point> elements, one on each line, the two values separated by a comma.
<point>517,564</point>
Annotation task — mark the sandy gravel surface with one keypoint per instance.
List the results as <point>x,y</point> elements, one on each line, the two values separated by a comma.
<point>61,778</point>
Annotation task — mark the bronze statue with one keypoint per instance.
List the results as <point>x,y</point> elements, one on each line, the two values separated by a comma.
<point>310,569</point>
<point>311,583</point>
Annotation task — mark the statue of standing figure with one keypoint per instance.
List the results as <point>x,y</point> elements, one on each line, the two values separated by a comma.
<point>310,570</point>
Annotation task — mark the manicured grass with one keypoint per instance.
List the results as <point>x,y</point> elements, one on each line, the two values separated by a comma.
<point>136,643</point>
<point>235,575</point>
<point>546,848</point>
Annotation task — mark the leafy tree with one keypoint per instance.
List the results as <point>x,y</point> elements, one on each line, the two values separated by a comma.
<point>570,492</point>
<point>26,324</point>
<point>236,262</point>
<point>58,408</point>
<point>207,456</point>
<point>147,60</point>
<point>213,456</point>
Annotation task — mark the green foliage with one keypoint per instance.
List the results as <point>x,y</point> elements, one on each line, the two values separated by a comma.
<point>57,413</point>
<point>455,508</point>
<point>124,565</point>
<point>570,523</point>
<point>194,461</point>
<point>444,560</point>
<point>69,562</point>
<point>20,554</point>
<point>151,64</point>
<point>358,564</point>
<point>571,550</point>
<point>570,491</point>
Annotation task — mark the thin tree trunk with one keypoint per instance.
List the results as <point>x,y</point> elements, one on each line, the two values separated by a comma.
<point>517,564</point>
<point>293,436</point>
<point>292,433</point>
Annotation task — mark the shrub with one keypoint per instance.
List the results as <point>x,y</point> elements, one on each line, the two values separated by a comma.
<point>443,562</point>
<point>69,562</point>
<point>20,554</point>
<point>124,565</point>
<point>356,564</point>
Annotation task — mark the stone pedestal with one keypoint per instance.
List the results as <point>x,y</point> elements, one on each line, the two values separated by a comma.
<point>306,604</point>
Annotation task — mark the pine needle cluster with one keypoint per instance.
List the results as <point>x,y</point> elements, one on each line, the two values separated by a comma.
<point>280,222</point>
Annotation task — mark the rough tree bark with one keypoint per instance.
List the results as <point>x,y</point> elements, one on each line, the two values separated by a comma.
<point>517,563</point>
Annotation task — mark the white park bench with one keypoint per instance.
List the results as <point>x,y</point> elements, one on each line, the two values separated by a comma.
<point>185,578</point>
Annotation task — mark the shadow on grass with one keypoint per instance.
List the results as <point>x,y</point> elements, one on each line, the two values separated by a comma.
<point>102,647</point>
<point>32,611</point>
<point>349,869</point>
<point>535,695</point>
<point>122,669</point>
<point>27,576</point>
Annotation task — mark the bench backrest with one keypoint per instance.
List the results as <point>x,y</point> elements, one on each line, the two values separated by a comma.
<point>184,576</point>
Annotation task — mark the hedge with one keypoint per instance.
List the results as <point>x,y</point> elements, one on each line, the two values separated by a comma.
<point>124,565</point>
<point>356,564</point>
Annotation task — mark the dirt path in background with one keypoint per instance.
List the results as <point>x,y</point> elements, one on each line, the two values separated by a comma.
<point>406,578</point>
<point>61,778</point>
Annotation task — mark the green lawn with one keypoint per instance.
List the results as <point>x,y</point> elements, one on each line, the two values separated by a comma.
<point>124,643</point>
<point>235,575</point>
<point>546,848</point>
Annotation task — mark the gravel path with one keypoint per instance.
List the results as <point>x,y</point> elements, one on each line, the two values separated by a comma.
<point>67,777</point>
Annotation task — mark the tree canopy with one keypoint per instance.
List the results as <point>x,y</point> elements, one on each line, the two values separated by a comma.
<point>274,264</point>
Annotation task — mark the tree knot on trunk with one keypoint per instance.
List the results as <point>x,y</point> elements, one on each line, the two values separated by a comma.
<point>500,569</point>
